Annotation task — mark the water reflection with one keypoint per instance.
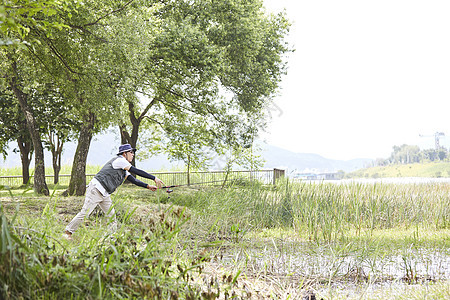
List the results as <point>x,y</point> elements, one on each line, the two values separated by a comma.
<point>389,180</point>
<point>309,261</point>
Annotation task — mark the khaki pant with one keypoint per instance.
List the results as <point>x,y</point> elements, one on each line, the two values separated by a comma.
<point>94,198</point>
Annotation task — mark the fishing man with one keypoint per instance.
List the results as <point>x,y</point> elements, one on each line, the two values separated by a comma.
<point>105,182</point>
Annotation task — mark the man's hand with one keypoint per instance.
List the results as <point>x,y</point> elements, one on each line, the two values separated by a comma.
<point>158,182</point>
<point>152,187</point>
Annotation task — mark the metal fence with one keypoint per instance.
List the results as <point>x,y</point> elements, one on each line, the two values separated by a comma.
<point>268,176</point>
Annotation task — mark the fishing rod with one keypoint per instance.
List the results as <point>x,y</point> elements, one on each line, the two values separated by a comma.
<point>170,187</point>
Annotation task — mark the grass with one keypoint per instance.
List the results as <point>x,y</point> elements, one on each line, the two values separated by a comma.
<point>65,169</point>
<point>355,241</point>
<point>426,169</point>
<point>137,261</point>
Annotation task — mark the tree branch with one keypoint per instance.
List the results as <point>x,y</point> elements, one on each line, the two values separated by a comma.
<point>156,121</point>
<point>59,56</point>
<point>147,108</point>
<point>110,13</point>
<point>194,102</point>
<point>84,30</point>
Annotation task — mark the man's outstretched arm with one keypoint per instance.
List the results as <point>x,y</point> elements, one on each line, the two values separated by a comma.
<point>144,174</point>
<point>137,182</point>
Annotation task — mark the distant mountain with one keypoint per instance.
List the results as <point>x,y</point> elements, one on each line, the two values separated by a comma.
<point>307,162</point>
<point>105,146</point>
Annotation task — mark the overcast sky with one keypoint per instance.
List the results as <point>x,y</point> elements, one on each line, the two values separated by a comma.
<point>365,76</point>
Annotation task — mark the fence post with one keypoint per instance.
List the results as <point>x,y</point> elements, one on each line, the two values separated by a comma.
<point>277,173</point>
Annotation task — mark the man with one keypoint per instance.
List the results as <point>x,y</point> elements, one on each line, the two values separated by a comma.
<point>105,182</point>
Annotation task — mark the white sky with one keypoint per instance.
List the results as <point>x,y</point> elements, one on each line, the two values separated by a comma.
<point>365,76</point>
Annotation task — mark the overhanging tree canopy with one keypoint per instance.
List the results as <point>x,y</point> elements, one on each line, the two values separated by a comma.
<point>222,60</point>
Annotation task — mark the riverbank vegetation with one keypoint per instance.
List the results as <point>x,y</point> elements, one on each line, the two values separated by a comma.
<point>424,169</point>
<point>353,241</point>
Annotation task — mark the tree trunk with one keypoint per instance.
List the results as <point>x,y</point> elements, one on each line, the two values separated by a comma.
<point>56,146</point>
<point>26,152</point>
<point>125,136</point>
<point>189,170</point>
<point>56,161</point>
<point>125,139</point>
<point>40,186</point>
<point>77,185</point>
<point>228,168</point>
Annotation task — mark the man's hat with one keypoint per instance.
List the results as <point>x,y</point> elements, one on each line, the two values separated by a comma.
<point>125,148</point>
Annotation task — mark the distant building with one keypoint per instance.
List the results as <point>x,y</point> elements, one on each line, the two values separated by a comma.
<point>305,176</point>
<point>316,176</point>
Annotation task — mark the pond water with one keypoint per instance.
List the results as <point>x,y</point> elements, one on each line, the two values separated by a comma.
<point>306,265</point>
<point>413,264</point>
<point>389,180</point>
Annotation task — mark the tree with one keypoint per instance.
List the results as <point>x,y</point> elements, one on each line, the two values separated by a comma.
<point>242,156</point>
<point>442,154</point>
<point>12,128</point>
<point>405,154</point>
<point>186,142</point>
<point>136,118</point>
<point>430,154</point>
<point>381,162</point>
<point>17,82</point>
<point>59,125</point>
<point>201,51</point>
<point>182,54</point>
<point>17,21</point>
<point>64,42</point>
<point>76,58</point>
<point>55,125</point>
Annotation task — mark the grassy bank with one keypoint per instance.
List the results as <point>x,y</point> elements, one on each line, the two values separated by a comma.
<point>247,241</point>
<point>429,169</point>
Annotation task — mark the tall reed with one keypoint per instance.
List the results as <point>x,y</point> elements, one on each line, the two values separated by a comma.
<point>325,211</point>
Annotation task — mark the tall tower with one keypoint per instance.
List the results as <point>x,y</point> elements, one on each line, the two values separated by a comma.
<point>437,137</point>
